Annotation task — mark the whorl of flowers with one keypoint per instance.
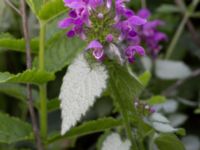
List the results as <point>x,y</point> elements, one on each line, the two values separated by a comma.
<point>110,28</point>
<point>150,34</point>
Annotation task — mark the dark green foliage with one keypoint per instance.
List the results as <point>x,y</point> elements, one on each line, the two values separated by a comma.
<point>14,130</point>
<point>88,128</point>
<point>29,76</point>
<point>168,142</point>
<point>60,51</point>
<point>56,7</point>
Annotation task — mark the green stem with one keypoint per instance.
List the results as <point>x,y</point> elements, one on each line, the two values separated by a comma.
<point>43,110</point>
<point>42,44</point>
<point>42,88</point>
<point>179,31</point>
<point>177,36</point>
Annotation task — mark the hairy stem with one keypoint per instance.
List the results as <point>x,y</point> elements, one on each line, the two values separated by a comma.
<point>179,31</point>
<point>29,65</point>
<point>42,88</point>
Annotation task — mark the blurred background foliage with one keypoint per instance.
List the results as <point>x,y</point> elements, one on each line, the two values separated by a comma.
<point>183,104</point>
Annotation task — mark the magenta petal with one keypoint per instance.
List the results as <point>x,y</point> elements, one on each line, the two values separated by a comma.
<point>130,51</point>
<point>131,59</point>
<point>144,13</point>
<point>136,20</point>
<point>70,33</point>
<point>139,49</point>
<point>73,14</point>
<point>65,23</point>
<point>95,3</point>
<point>94,44</point>
<point>159,36</point>
<point>74,4</point>
<point>109,38</point>
<point>128,13</point>
<point>98,54</point>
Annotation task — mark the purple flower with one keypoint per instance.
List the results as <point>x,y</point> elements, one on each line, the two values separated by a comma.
<point>131,51</point>
<point>144,13</point>
<point>71,33</point>
<point>150,34</point>
<point>65,23</point>
<point>109,38</point>
<point>94,21</point>
<point>97,49</point>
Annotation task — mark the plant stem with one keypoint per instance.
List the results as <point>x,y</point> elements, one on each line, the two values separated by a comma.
<point>130,136</point>
<point>176,36</point>
<point>29,65</point>
<point>190,26</point>
<point>42,88</point>
<point>179,31</point>
<point>43,110</point>
<point>42,45</point>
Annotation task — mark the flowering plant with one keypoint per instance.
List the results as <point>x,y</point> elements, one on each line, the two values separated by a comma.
<point>120,91</point>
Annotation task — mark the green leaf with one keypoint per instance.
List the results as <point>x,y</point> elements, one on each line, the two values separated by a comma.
<point>13,130</point>
<point>170,70</point>
<point>168,142</point>
<point>52,9</point>
<point>88,128</point>
<point>145,78</point>
<point>17,91</point>
<point>35,5</point>
<point>154,100</point>
<point>181,132</point>
<point>18,44</point>
<point>197,111</point>
<point>28,76</point>
<point>61,51</point>
<point>123,87</point>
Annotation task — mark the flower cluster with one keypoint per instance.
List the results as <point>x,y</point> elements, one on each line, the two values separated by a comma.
<point>104,24</point>
<point>111,29</point>
<point>150,34</point>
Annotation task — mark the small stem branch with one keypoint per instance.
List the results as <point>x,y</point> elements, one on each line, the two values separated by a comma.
<point>189,24</point>
<point>29,65</point>
<point>176,36</point>
<point>179,31</point>
<point>10,4</point>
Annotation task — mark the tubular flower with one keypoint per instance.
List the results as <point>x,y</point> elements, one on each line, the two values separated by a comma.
<point>150,34</point>
<point>110,28</point>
